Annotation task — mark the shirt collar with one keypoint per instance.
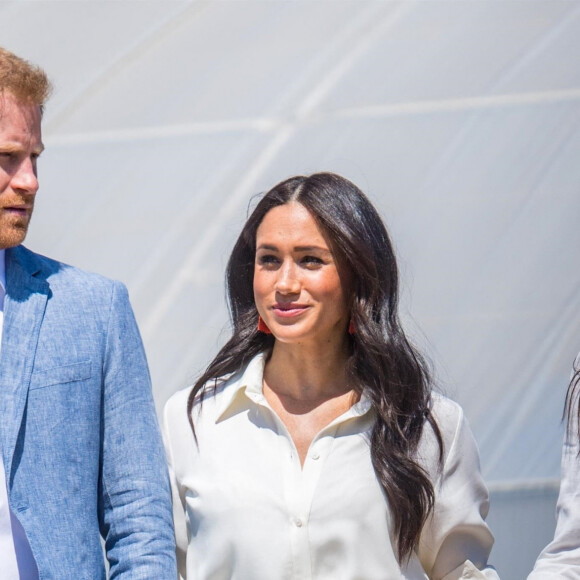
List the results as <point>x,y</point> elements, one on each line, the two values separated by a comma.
<point>250,383</point>
<point>3,269</point>
<point>2,281</point>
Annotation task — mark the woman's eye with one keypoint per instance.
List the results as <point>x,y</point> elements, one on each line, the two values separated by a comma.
<point>312,261</point>
<point>267,260</point>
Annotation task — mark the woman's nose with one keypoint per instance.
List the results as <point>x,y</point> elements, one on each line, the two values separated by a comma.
<point>288,281</point>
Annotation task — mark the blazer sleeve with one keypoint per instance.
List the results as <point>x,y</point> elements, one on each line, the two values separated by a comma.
<point>561,557</point>
<point>456,541</point>
<point>134,500</point>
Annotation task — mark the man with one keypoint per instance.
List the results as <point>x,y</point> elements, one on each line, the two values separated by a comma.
<point>81,454</point>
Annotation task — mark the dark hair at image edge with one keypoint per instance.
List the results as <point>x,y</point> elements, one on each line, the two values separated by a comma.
<point>382,363</point>
<point>572,405</point>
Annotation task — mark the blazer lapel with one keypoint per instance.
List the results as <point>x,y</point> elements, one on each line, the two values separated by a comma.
<point>24,308</point>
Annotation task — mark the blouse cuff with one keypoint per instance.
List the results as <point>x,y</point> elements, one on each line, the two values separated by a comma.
<point>468,571</point>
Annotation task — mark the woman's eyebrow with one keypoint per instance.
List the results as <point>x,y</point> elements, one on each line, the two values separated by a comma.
<point>273,248</point>
<point>310,248</point>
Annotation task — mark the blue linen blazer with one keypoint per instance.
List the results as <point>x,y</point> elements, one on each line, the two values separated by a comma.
<point>79,435</point>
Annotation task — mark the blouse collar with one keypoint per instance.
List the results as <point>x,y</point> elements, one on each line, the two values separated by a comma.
<point>250,383</point>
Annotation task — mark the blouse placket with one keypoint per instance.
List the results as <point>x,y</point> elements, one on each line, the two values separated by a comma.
<point>300,481</point>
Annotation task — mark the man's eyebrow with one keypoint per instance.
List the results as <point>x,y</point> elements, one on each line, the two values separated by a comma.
<point>11,147</point>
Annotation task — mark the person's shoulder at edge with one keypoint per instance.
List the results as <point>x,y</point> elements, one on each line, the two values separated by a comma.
<point>561,557</point>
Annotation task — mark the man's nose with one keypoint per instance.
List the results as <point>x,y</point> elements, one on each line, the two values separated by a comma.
<point>25,179</point>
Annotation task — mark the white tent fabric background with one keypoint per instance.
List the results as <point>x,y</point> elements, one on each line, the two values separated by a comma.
<point>461,121</point>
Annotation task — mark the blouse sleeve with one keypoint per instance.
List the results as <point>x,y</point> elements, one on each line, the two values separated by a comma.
<point>561,557</point>
<point>456,541</point>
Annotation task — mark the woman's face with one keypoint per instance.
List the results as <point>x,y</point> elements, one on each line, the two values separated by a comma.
<point>297,287</point>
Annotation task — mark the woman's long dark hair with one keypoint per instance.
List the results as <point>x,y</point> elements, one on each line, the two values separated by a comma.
<point>383,364</point>
<point>572,406</point>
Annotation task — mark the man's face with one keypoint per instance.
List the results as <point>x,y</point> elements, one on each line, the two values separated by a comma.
<point>20,146</point>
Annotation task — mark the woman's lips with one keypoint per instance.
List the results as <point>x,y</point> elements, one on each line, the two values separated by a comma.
<point>289,310</point>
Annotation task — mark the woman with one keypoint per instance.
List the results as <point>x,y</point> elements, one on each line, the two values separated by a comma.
<point>561,557</point>
<point>312,446</point>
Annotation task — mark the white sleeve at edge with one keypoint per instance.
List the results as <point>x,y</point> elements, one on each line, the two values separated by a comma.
<point>560,559</point>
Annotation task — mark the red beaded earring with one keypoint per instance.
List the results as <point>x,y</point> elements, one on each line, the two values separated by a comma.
<point>351,328</point>
<point>262,327</point>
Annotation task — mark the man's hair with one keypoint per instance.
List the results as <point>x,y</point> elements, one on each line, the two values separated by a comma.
<point>27,82</point>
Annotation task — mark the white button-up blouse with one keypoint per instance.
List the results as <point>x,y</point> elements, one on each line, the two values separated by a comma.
<point>244,507</point>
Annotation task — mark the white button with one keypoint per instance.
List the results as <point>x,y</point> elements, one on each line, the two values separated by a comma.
<point>315,456</point>
<point>298,522</point>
